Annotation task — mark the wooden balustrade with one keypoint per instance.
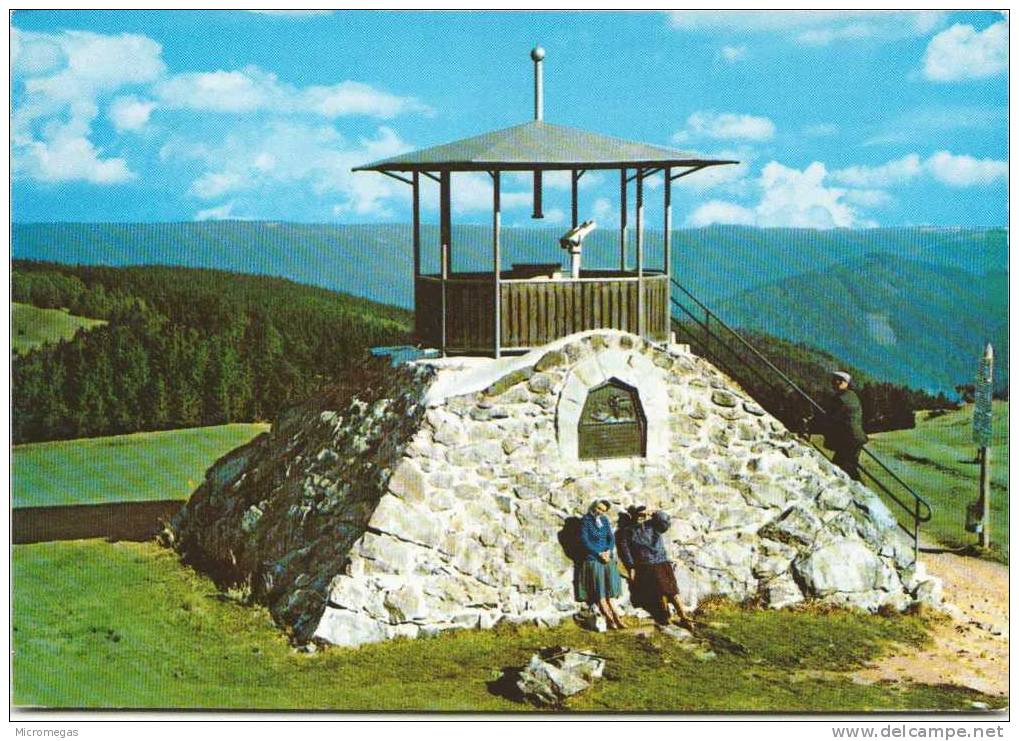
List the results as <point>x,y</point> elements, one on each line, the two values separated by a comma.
<point>535,311</point>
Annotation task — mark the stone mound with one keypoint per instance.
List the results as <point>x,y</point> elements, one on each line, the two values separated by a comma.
<point>443,497</point>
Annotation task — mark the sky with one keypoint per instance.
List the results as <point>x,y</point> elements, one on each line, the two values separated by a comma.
<point>838,119</point>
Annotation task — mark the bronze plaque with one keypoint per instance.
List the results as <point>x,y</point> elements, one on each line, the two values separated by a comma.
<point>612,423</point>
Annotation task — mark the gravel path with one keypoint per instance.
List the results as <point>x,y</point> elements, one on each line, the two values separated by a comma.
<point>971,650</point>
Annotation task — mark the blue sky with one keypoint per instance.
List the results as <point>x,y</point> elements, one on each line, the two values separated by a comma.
<point>839,119</point>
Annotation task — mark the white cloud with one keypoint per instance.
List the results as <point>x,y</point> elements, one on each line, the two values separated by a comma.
<point>264,162</point>
<point>605,212</point>
<point>962,171</point>
<point>81,66</point>
<point>733,54</point>
<point>895,172</point>
<point>957,171</point>
<point>557,180</point>
<point>349,98</point>
<point>868,197</point>
<point>726,126</point>
<point>728,178</point>
<point>812,27</point>
<point>847,32</point>
<point>253,89</point>
<point>364,194</point>
<point>34,53</point>
<point>59,79</point>
<point>92,62</point>
<point>66,156</point>
<point>226,211</point>
<point>788,198</point>
<point>962,52</point>
<point>214,184</point>
<point>795,198</point>
<point>128,113</point>
<point>233,92</point>
<point>472,191</point>
<point>255,160</point>
<point>720,212</point>
<point>554,216</point>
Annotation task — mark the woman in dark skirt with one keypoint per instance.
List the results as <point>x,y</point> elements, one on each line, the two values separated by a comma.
<point>652,577</point>
<point>597,580</point>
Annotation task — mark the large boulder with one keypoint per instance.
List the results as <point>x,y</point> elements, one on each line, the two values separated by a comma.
<point>843,566</point>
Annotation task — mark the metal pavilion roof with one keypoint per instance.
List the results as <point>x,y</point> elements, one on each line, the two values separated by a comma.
<point>537,145</point>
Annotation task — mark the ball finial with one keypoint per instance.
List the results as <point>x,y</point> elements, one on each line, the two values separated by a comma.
<point>537,54</point>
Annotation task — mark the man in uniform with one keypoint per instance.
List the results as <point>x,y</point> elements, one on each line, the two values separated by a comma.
<point>845,435</point>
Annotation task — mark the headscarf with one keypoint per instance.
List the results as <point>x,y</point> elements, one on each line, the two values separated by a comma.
<point>600,518</point>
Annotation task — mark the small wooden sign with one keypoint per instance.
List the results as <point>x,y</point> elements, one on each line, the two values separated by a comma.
<point>612,423</point>
<point>983,393</point>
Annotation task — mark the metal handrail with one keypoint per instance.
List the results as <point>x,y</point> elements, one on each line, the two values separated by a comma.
<point>725,366</point>
<point>708,312</point>
<point>921,509</point>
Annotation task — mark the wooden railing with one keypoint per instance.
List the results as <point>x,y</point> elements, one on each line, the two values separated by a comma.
<point>536,311</point>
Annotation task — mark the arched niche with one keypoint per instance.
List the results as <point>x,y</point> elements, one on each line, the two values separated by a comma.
<point>632,369</point>
<point>612,423</point>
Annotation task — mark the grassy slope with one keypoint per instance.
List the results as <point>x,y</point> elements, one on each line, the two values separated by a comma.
<point>32,327</point>
<point>122,468</point>
<point>129,627</point>
<point>936,459</point>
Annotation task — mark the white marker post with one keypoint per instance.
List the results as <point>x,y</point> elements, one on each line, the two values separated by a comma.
<point>982,419</point>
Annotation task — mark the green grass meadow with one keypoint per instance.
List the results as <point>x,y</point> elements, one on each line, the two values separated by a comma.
<point>32,327</point>
<point>124,625</point>
<point>937,459</point>
<point>100,624</point>
<point>123,468</point>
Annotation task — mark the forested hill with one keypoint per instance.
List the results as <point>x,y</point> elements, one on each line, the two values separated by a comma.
<point>737,270</point>
<point>903,320</point>
<point>375,260</point>
<point>183,347</point>
<point>886,406</point>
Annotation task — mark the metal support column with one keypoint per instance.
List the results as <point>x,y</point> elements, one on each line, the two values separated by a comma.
<point>667,248</point>
<point>497,264</point>
<point>416,237</point>
<point>445,237</point>
<point>622,219</point>
<point>574,178</point>
<point>641,323</point>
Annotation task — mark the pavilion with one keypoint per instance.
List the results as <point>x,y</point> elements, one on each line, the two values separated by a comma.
<point>529,306</point>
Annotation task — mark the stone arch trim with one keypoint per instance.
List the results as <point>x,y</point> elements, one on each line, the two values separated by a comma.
<point>628,367</point>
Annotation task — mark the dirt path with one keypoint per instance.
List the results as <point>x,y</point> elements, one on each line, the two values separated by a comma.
<point>971,650</point>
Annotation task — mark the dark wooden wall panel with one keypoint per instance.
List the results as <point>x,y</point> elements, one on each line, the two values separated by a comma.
<point>534,313</point>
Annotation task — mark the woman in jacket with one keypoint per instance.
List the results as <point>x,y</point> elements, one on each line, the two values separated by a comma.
<point>652,577</point>
<point>597,578</point>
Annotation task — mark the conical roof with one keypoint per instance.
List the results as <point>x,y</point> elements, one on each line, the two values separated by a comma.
<point>537,145</point>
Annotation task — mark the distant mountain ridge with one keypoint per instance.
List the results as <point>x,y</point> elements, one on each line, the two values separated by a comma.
<point>732,268</point>
<point>903,320</point>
